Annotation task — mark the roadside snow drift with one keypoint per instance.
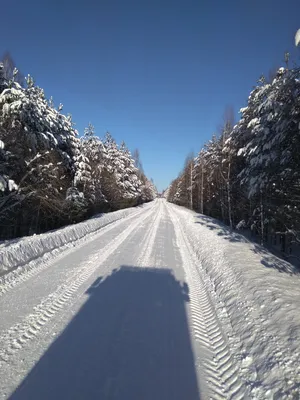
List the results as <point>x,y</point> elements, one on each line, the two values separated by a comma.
<point>257,300</point>
<point>19,252</point>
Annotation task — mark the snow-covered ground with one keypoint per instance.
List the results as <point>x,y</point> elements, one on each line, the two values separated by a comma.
<point>161,304</point>
<point>256,297</point>
<point>28,252</point>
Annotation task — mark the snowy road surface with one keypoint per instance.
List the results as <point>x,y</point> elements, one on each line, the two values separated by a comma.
<point>162,304</point>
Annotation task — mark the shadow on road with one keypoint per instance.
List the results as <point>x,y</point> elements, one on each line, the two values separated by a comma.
<point>129,341</point>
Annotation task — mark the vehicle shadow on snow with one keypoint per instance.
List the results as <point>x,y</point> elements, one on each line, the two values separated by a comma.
<point>269,257</point>
<point>129,341</point>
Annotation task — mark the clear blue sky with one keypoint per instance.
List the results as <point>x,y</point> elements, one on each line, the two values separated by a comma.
<point>155,73</point>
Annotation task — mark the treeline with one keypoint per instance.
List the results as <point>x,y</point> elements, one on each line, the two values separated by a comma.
<point>49,176</point>
<point>248,176</point>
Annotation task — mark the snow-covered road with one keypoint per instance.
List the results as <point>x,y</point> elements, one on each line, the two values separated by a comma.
<point>140,311</point>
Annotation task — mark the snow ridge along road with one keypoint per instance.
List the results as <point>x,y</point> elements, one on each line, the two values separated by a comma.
<point>134,312</point>
<point>25,257</point>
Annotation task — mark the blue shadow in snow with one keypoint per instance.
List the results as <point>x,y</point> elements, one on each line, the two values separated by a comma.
<point>129,341</point>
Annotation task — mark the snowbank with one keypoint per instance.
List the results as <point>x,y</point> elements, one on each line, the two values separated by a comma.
<point>19,252</point>
<point>257,300</point>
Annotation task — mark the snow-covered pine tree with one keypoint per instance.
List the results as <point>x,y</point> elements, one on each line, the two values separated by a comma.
<point>199,172</point>
<point>48,174</point>
<point>149,190</point>
<point>40,140</point>
<point>93,149</point>
<point>10,70</point>
<point>111,175</point>
<point>130,176</point>
<point>272,154</point>
<point>8,191</point>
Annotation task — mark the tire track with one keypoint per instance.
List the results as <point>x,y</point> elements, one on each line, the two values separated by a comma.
<point>17,336</point>
<point>218,365</point>
<point>144,259</point>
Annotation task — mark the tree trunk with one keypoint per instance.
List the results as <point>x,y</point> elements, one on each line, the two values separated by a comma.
<point>261,219</point>
<point>191,199</point>
<point>201,198</point>
<point>229,198</point>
